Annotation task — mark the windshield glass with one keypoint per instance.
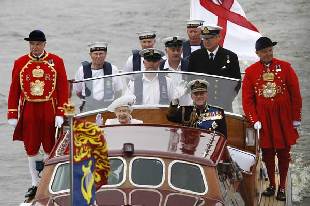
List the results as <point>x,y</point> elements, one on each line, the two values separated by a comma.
<point>61,179</point>
<point>147,172</point>
<point>150,88</point>
<point>189,177</point>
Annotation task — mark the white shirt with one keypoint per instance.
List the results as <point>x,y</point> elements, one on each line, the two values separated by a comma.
<point>115,121</point>
<point>128,67</point>
<point>98,90</point>
<point>194,48</point>
<point>151,91</point>
<point>214,52</point>
<point>174,77</point>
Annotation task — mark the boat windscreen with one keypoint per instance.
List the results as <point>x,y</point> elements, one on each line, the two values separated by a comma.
<point>187,177</point>
<point>146,172</point>
<point>150,88</point>
<point>61,179</point>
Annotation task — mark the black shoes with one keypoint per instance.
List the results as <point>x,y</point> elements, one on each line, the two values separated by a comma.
<point>31,192</point>
<point>270,191</point>
<point>281,195</point>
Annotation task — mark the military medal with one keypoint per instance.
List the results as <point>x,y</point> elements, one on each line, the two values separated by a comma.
<point>214,125</point>
<point>227,61</point>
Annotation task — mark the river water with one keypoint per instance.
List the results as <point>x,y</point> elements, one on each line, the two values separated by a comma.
<point>71,24</point>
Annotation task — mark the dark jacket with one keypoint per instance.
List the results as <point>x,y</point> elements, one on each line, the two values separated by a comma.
<point>182,115</point>
<point>187,49</point>
<point>225,63</point>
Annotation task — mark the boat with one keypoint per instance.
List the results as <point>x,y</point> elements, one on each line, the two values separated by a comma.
<point>162,163</point>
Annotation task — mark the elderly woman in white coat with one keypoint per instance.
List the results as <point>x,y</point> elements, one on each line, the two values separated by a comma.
<point>122,107</point>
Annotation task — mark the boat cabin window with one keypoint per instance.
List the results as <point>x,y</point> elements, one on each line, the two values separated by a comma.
<point>117,173</point>
<point>189,177</point>
<point>147,172</point>
<point>61,178</point>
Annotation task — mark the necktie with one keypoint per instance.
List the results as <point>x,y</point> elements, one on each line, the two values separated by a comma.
<point>211,56</point>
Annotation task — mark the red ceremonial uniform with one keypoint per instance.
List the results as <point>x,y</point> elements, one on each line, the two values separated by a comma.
<point>38,92</point>
<point>271,95</point>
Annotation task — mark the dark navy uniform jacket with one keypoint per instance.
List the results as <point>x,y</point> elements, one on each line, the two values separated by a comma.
<point>225,63</point>
<point>212,117</point>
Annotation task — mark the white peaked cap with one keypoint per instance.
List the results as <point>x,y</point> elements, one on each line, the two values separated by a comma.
<point>146,34</point>
<point>173,38</point>
<point>126,100</point>
<point>98,45</point>
<point>194,22</point>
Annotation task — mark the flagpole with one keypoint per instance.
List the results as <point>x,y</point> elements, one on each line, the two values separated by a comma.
<point>69,113</point>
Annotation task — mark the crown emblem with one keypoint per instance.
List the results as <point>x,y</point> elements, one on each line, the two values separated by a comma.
<point>205,30</point>
<point>37,72</point>
<point>268,76</point>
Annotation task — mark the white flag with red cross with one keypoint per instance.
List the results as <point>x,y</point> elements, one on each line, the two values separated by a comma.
<point>238,35</point>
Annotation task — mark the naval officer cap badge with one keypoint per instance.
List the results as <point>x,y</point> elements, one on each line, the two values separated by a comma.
<point>208,31</point>
<point>198,85</point>
<point>151,54</point>
<point>173,41</point>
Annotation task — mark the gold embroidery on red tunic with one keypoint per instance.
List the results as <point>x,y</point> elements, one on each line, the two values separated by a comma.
<point>37,72</point>
<point>37,88</point>
<point>38,80</point>
<point>268,76</point>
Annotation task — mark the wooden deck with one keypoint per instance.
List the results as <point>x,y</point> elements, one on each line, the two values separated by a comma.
<point>271,201</point>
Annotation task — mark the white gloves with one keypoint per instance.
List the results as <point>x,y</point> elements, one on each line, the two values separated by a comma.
<point>257,125</point>
<point>175,102</point>
<point>59,120</point>
<point>296,124</point>
<point>12,122</point>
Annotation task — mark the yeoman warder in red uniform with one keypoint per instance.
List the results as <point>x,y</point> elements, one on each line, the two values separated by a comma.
<point>35,105</point>
<point>272,103</point>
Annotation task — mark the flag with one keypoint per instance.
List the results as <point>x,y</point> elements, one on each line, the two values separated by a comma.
<point>90,162</point>
<point>238,35</point>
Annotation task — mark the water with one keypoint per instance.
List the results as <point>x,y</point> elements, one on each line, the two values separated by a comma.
<point>70,25</point>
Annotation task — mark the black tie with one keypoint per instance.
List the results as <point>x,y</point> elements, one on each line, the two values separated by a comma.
<point>211,56</point>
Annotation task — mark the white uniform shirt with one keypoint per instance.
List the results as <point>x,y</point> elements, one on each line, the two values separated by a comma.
<point>115,121</point>
<point>128,67</point>
<point>98,90</point>
<point>151,91</point>
<point>175,77</point>
<point>194,48</point>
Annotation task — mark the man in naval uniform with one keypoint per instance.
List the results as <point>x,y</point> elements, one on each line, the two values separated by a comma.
<point>38,91</point>
<point>214,59</point>
<point>152,88</point>
<point>101,92</point>
<point>201,114</point>
<point>122,107</point>
<point>174,61</point>
<point>194,41</point>
<point>272,103</point>
<point>135,61</point>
